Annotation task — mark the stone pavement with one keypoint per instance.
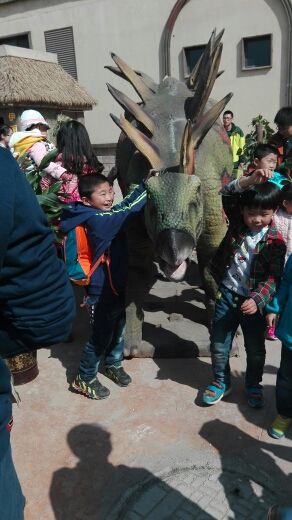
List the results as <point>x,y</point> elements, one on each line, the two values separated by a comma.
<point>150,451</point>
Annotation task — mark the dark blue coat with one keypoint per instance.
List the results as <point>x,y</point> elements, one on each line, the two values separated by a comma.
<point>105,230</point>
<point>36,299</point>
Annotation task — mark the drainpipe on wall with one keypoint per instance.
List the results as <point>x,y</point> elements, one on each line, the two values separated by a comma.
<point>287,6</point>
<point>164,47</point>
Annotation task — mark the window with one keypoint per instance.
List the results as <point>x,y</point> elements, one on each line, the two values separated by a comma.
<point>257,52</point>
<point>191,56</point>
<point>61,42</point>
<point>19,40</point>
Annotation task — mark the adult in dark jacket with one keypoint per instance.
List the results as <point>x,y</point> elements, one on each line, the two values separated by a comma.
<point>36,299</point>
<point>36,303</point>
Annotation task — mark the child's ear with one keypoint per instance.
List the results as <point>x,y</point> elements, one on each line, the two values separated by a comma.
<point>256,161</point>
<point>284,203</point>
<point>86,201</point>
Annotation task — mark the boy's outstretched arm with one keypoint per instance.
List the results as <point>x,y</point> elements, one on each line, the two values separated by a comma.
<point>107,224</point>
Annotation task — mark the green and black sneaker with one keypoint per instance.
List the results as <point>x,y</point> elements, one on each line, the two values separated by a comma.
<point>92,389</point>
<point>118,375</point>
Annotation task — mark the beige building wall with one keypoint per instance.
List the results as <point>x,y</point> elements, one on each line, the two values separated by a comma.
<point>133,28</point>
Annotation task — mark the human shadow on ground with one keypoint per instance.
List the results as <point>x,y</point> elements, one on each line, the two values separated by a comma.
<point>96,490</point>
<point>254,465</point>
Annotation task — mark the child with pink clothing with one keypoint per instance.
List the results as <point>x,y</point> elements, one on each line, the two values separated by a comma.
<point>30,145</point>
<point>76,156</point>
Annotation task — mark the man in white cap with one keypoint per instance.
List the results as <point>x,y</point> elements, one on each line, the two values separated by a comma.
<point>30,145</point>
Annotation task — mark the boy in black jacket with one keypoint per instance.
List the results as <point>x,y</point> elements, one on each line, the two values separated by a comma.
<point>106,291</point>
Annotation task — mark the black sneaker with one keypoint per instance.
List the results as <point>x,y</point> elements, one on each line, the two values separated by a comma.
<point>118,375</point>
<point>92,389</point>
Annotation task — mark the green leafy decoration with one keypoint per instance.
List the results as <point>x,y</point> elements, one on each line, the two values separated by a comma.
<point>260,132</point>
<point>48,199</point>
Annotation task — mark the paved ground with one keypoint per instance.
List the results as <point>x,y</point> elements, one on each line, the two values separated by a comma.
<point>150,451</point>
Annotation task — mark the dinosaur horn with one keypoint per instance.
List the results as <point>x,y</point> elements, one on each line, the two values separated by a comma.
<point>187,158</point>
<point>135,109</point>
<point>194,76</point>
<point>204,77</point>
<point>149,82</point>
<point>141,141</point>
<point>204,85</point>
<point>139,85</point>
<point>203,126</point>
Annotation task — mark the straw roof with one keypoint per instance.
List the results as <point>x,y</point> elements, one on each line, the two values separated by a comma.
<point>32,82</point>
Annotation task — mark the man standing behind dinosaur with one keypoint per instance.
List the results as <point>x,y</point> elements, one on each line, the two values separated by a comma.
<point>236,137</point>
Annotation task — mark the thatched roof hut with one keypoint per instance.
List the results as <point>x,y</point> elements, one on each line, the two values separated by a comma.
<point>33,79</point>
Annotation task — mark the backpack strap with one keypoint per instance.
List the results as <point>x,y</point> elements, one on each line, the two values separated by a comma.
<point>104,259</point>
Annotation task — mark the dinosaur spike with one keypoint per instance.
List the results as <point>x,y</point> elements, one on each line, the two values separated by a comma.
<point>187,151</point>
<point>149,82</point>
<point>206,74</point>
<point>139,85</point>
<point>193,77</point>
<point>208,119</point>
<point>141,141</point>
<point>136,110</point>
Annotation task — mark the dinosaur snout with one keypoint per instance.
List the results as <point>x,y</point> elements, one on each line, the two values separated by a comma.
<point>174,246</point>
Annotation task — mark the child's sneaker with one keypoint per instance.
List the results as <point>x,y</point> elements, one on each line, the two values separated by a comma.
<point>118,375</point>
<point>279,427</point>
<point>255,398</point>
<point>92,389</point>
<point>270,334</point>
<point>215,392</point>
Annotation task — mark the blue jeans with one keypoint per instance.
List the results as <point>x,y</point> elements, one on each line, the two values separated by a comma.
<point>107,337</point>
<point>12,500</point>
<point>284,383</point>
<point>227,318</point>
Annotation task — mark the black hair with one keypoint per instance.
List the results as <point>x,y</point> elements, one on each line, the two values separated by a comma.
<point>264,149</point>
<point>74,144</point>
<point>88,183</point>
<point>5,129</point>
<point>286,193</point>
<point>284,117</point>
<point>261,196</point>
<point>228,112</point>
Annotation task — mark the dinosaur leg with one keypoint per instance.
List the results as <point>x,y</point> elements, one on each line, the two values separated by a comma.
<point>140,281</point>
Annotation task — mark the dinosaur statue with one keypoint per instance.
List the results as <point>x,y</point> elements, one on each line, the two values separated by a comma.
<point>176,132</point>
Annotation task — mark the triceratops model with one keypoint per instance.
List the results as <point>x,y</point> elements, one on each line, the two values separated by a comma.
<point>175,132</point>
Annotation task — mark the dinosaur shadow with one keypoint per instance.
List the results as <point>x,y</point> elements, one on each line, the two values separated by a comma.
<point>96,490</point>
<point>254,466</point>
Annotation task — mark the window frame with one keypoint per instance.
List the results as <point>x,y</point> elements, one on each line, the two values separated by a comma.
<point>261,67</point>
<point>24,33</point>
<point>186,71</point>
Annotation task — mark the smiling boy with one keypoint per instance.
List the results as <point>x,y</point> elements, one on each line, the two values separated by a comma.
<point>106,291</point>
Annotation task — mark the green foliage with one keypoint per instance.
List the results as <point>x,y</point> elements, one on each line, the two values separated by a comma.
<point>260,132</point>
<point>48,199</point>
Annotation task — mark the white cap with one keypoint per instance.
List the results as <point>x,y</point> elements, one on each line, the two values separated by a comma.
<point>31,117</point>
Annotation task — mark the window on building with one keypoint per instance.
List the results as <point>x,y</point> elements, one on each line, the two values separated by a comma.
<point>257,52</point>
<point>61,42</point>
<point>19,40</point>
<point>191,56</point>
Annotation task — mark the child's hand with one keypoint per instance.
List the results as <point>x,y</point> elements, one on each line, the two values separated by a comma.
<point>261,175</point>
<point>271,319</point>
<point>249,307</point>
